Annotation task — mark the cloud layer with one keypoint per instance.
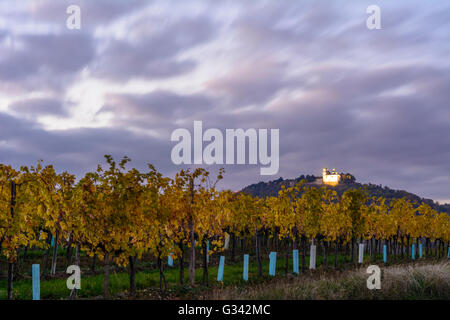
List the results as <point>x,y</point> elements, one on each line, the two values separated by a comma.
<point>371,102</point>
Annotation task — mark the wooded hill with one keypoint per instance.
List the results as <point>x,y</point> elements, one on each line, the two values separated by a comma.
<point>271,188</point>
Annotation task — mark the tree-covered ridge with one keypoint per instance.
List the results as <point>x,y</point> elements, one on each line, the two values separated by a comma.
<point>271,189</point>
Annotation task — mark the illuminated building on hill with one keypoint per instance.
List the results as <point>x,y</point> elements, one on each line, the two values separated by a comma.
<point>331,178</point>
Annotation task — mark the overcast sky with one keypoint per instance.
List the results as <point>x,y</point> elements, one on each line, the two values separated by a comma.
<point>374,103</point>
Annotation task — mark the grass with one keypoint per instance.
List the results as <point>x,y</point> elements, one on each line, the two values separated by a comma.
<point>418,281</point>
<point>147,282</point>
<point>92,286</point>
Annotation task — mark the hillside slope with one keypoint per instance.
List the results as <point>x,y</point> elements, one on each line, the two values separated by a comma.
<point>271,188</point>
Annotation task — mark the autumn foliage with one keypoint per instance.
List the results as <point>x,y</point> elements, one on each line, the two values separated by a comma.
<point>119,214</point>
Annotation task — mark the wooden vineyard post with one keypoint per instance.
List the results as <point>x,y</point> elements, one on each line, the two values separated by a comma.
<point>273,263</point>
<point>227,242</point>
<point>170,260</point>
<point>36,282</point>
<point>312,257</point>
<point>295,268</point>
<point>221,267</point>
<point>245,271</point>
<point>361,253</point>
<point>55,253</point>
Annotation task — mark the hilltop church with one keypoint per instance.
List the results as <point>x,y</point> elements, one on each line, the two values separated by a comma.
<point>330,178</point>
<point>333,178</point>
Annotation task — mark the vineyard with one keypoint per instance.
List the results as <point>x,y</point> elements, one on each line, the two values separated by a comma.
<point>120,216</point>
